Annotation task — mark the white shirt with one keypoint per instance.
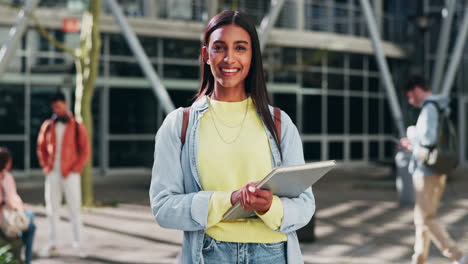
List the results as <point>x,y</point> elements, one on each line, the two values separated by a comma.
<point>59,131</point>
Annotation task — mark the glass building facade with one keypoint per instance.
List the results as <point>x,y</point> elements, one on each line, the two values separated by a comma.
<point>333,91</point>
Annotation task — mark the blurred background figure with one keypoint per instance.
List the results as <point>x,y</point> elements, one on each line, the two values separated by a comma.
<point>429,185</point>
<point>10,198</point>
<point>62,150</point>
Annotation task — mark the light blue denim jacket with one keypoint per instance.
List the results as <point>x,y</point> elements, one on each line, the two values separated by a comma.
<point>426,132</point>
<point>179,202</point>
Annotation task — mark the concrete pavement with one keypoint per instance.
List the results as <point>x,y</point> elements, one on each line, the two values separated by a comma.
<point>358,221</point>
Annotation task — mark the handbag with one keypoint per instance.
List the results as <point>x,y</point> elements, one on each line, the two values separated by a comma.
<point>13,221</point>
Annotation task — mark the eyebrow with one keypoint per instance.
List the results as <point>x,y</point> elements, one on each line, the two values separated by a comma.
<point>235,42</point>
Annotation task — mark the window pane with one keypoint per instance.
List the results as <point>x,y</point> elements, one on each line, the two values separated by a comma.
<point>356,151</point>
<point>335,119</point>
<point>356,83</point>
<point>374,84</point>
<point>390,149</point>
<point>356,61</point>
<point>356,115</point>
<point>282,75</point>
<point>287,103</point>
<point>312,57</point>
<point>335,150</point>
<point>118,45</point>
<point>183,49</point>
<point>11,109</point>
<point>125,69</point>
<point>131,153</point>
<point>288,56</point>
<point>150,45</point>
<point>374,150</point>
<point>181,72</point>
<point>312,80</point>
<point>132,111</point>
<point>312,114</point>
<point>373,116</point>
<point>182,98</point>
<point>335,81</point>
<point>336,60</point>
<point>372,64</point>
<point>388,123</point>
<point>312,151</point>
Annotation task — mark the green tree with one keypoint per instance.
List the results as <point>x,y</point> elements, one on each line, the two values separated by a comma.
<point>87,68</point>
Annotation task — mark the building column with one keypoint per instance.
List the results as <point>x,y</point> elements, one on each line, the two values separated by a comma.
<point>378,11</point>
<point>212,8</point>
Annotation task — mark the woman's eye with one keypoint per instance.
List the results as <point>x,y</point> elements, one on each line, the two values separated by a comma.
<point>241,48</point>
<point>218,48</point>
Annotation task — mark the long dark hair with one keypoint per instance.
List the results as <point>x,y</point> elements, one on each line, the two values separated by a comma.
<point>255,80</point>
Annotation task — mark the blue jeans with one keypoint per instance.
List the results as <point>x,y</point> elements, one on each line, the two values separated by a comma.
<point>215,251</point>
<point>27,237</point>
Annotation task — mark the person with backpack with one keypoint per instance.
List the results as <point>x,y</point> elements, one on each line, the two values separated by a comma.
<point>429,181</point>
<point>210,156</point>
<point>9,197</point>
<point>62,150</point>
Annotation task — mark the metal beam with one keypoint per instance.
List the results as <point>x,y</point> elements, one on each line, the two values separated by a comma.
<point>158,87</point>
<point>456,56</point>
<point>442,46</point>
<point>300,14</point>
<point>378,10</point>
<point>16,33</point>
<point>213,6</point>
<point>269,21</point>
<point>383,67</point>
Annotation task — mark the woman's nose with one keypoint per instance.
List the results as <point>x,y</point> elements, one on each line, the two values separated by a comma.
<point>228,58</point>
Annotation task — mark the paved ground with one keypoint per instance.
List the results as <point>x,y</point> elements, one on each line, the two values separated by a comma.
<point>358,221</point>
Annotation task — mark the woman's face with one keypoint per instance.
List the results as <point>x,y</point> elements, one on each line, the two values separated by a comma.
<point>229,54</point>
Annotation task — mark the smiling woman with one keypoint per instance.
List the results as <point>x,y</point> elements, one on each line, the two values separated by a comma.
<point>228,142</point>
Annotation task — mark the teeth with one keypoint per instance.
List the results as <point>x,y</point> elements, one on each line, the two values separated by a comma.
<point>229,70</point>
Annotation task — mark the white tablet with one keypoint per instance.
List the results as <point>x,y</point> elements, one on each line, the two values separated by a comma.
<point>285,182</point>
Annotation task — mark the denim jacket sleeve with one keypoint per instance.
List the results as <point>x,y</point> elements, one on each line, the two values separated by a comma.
<point>426,128</point>
<point>297,211</point>
<point>170,204</point>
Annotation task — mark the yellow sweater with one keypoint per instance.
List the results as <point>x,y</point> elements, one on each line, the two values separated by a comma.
<point>229,157</point>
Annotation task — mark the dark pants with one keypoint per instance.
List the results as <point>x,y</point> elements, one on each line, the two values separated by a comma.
<point>27,237</point>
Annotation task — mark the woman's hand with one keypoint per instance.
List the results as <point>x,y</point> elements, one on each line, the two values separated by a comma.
<point>405,144</point>
<point>253,198</point>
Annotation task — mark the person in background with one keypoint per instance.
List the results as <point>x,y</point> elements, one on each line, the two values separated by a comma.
<point>231,143</point>
<point>428,185</point>
<point>62,150</point>
<point>9,197</point>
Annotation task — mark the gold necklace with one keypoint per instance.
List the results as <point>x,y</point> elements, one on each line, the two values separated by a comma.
<point>221,120</point>
<point>241,124</point>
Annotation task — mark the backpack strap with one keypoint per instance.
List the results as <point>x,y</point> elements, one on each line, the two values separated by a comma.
<point>277,120</point>
<point>185,121</point>
<point>440,120</point>
<point>437,106</point>
<point>77,137</point>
